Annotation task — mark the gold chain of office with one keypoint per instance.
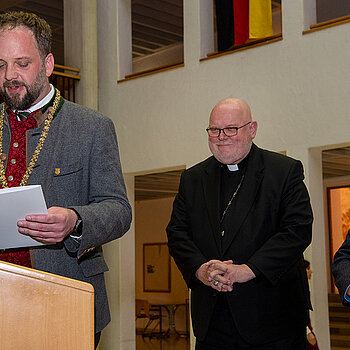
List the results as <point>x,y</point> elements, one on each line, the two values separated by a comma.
<point>38,148</point>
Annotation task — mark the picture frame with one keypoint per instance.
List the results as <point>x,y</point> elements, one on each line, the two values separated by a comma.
<point>156,268</point>
<point>338,202</point>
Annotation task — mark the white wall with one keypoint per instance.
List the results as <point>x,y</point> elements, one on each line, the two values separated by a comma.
<point>298,90</point>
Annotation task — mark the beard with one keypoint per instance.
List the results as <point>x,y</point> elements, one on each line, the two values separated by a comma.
<point>33,91</point>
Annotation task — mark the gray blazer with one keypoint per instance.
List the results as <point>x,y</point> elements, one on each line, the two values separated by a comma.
<point>79,168</point>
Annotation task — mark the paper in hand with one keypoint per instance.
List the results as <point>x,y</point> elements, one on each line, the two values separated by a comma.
<point>15,204</point>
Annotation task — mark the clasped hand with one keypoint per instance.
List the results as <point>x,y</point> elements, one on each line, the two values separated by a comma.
<point>221,275</point>
<point>51,227</point>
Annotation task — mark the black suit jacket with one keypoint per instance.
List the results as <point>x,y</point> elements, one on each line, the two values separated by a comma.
<point>269,230</point>
<point>341,268</point>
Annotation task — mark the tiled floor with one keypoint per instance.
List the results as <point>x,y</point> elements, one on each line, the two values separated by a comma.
<point>166,343</point>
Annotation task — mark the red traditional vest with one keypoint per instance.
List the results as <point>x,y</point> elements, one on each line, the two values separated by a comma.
<point>16,168</point>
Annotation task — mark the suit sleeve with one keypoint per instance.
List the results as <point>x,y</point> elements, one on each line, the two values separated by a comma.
<point>286,246</point>
<point>107,216</point>
<point>341,268</point>
<point>187,256</point>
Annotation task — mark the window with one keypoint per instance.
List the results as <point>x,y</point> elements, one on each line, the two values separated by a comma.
<point>327,10</point>
<point>157,34</point>
<point>241,22</point>
<point>320,14</point>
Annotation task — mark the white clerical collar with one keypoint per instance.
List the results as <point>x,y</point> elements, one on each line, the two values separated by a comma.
<point>43,102</point>
<point>232,167</point>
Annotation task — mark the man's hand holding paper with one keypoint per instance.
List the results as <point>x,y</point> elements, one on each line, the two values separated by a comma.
<point>50,228</point>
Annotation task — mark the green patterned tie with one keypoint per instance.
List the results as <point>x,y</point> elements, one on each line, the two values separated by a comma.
<point>23,115</point>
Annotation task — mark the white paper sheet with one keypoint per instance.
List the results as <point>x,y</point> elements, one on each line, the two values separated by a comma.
<point>15,204</point>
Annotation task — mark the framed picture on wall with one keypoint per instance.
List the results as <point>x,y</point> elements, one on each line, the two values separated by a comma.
<point>339,219</point>
<point>156,267</point>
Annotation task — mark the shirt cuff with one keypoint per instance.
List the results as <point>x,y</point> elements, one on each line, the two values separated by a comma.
<point>77,232</point>
<point>346,297</point>
<point>76,238</point>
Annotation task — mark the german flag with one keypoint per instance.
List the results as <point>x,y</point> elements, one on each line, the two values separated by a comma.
<point>260,19</point>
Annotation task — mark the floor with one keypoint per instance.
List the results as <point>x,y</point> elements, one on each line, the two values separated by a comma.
<point>166,343</point>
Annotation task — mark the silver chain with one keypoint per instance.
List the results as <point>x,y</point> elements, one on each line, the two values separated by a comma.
<point>232,198</point>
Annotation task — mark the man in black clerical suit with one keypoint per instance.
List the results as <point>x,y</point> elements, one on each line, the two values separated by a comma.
<point>240,224</point>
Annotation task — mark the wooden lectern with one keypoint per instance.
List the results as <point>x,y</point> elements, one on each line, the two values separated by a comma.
<point>40,311</point>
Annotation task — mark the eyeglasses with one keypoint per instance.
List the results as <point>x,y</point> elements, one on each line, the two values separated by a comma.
<point>229,131</point>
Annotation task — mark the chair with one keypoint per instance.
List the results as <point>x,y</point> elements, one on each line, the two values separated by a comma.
<point>154,315</point>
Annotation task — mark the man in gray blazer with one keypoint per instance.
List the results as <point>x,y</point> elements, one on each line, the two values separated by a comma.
<point>70,150</point>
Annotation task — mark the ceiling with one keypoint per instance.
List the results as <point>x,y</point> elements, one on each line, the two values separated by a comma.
<point>336,162</point>
<point>51,11</point>
<point>156,24</point>
<point>157,185</point>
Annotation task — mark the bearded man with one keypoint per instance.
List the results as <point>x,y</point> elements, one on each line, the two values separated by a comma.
<point>70,150</point>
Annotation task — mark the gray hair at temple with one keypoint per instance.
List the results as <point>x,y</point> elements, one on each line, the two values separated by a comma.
<point>38,26</point>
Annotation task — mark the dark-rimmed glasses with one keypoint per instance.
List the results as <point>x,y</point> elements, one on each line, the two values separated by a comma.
<point>229,131</point>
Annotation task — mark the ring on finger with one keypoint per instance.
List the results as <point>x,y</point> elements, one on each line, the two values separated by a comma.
<point>215,283</point>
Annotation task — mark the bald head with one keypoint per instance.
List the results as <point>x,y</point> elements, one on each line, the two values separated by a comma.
<point>235,105</point>
<point>234,114</point>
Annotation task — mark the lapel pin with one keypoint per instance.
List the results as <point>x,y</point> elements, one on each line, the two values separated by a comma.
<point>57,171</point>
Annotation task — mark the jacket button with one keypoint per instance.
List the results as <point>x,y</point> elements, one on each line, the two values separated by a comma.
<point>3,156</point>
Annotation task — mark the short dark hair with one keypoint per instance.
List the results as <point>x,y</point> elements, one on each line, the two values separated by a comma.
<point>38,26</point>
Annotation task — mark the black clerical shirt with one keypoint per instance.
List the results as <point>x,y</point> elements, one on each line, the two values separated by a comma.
<point>229,182</point>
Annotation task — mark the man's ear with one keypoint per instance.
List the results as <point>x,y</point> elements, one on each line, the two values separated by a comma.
<point>253,129</point>
<point>49,64</point>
